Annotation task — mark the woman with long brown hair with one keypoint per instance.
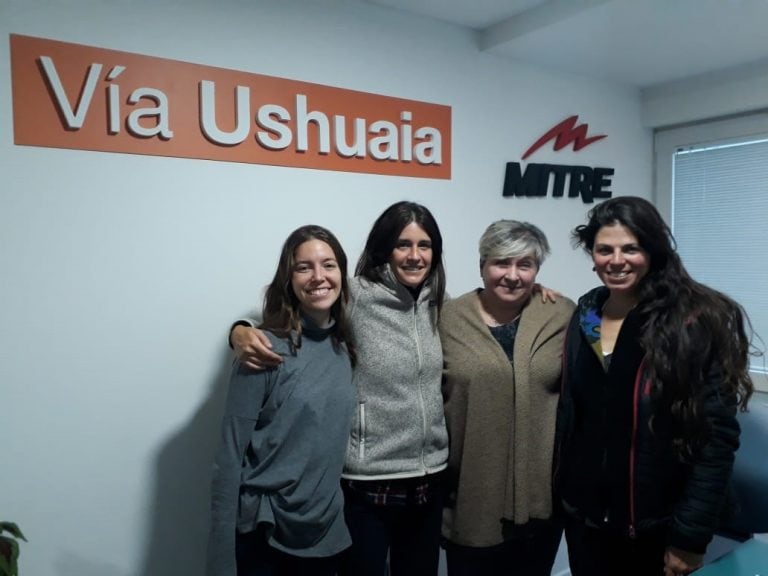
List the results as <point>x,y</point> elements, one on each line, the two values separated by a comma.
<point>655,367</point>
<point>277,506</point>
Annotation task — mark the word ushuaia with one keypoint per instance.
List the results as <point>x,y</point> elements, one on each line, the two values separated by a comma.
<point>81,97</point>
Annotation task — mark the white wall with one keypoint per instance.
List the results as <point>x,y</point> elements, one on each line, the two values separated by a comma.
<point>121,273</point>
<point>738,90</point>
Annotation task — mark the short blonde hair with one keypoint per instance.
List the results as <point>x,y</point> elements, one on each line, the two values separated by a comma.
<point>513,239</point>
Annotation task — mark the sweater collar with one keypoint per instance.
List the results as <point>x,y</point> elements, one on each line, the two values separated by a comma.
<point>390,281</point>
<point>311,330</point>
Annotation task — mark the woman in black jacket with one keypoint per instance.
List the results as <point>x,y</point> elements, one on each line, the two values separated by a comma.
<point>655,367</point>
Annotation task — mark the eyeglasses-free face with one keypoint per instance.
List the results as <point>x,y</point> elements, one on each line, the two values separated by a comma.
<point>620,261</point>
<point>316,279</point>
<point>411,259</point>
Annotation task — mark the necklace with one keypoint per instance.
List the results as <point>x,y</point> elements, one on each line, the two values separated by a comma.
<point>494,323</point>
<point>617,309</point>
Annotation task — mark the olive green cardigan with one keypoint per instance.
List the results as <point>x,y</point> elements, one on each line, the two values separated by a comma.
<point>501,420</point>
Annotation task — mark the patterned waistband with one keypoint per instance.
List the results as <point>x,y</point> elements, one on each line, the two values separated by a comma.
<point>416,491</point>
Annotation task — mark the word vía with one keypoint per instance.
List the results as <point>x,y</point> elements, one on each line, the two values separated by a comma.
<point>538,179</point>
<point>146,113</point>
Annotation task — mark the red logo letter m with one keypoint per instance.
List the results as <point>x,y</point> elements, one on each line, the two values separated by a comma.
<point>565,133</point>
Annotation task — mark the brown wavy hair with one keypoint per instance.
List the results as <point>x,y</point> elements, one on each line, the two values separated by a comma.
<point>282,311</point>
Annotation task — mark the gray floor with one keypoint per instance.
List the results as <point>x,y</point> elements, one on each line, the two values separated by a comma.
<point>718,547</point>
<point>559,569</point>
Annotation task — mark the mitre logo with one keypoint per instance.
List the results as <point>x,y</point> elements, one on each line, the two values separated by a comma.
<point>563,134</point>
<point>539,179</point>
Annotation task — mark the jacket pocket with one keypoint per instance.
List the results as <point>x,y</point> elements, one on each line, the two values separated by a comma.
<point>361,430</point>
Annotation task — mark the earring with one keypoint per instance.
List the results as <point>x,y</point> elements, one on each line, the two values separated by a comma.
<point>593,268</point>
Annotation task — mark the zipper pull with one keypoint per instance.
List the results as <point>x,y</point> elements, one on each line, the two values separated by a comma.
<point>632,533</point>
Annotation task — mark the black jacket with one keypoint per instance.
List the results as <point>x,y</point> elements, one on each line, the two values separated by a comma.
<point>615,463</point>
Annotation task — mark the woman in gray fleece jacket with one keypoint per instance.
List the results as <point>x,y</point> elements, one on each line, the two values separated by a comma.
<point>398,444</point>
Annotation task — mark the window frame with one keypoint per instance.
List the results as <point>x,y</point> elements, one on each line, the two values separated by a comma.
<point>669,140</point>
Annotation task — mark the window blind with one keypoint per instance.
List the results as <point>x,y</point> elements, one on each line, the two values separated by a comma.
<point>720,222</point>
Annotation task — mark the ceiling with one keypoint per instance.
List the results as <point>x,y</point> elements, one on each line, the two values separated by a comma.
<point>641,43</point>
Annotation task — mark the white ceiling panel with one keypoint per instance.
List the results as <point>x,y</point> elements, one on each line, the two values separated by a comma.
<point>637,42</point>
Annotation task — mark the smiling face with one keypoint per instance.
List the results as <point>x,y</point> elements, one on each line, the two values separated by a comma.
<point>411,259</point>
<point>509,281</point>
<point>620,261</point>
<point>316,279</point>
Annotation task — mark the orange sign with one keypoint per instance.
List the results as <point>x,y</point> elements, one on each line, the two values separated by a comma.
<point>87,98</point>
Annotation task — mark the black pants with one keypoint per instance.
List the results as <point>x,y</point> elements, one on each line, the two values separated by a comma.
<point>596,552</point>
<point>410,533</point>
<point>255,557</point>
<point>530,552</point>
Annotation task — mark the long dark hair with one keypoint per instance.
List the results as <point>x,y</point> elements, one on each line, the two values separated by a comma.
<point>282,311</point>
<point>383,238</point>
<point>688,326</point>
